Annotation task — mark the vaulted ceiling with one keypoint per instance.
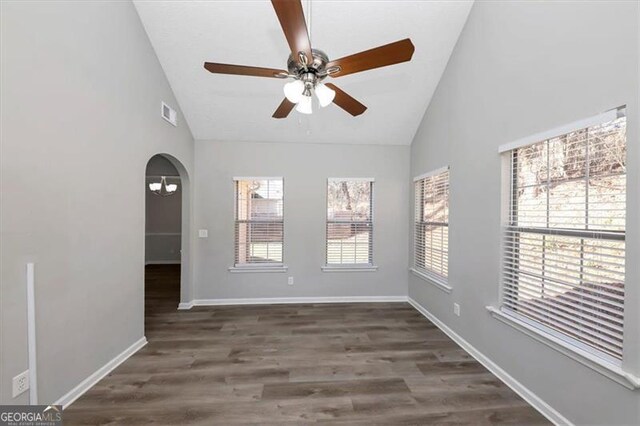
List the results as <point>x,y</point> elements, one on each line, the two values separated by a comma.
<point>185,34</point>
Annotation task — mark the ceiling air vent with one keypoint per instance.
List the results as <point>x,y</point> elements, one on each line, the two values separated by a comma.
<point>168,114</point>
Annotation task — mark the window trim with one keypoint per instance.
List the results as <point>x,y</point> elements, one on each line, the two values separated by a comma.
<point>353,179</point>
<point>429,276</point>
<point>587,358</point>
<point>432,278</point>
<point>354,267</point>
<point>350,267</point>
<point>603,117</point>
<point>432,173</point>
<point>255,267</point>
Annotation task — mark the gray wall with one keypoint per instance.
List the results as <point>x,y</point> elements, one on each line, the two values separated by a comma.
<point>81,93</point>
<point>163,225</point>
<point>305,169</point>
<point>520,68</point>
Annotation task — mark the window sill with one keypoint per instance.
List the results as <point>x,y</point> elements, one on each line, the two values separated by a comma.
<point>607,369</point>
<point>349,268</point>
<point>257,269</point>
<point>431,279</point>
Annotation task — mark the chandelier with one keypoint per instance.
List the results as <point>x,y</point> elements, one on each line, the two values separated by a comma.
<point>163,188</point>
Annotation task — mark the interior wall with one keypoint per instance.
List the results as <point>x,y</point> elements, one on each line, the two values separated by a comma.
<point>163,222</point>
<point>305,168</point>
<point>81,94</point>
<point>520,68</point>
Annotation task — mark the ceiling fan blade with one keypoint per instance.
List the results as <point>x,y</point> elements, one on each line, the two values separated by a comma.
<point>389,54</point>
<point>291,19</point>
<point>284,109</point>
<point>243,70</point>
<point>346,102</point>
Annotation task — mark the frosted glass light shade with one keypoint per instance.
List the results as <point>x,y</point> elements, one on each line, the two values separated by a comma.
<point>171,187</point>
<point>324,94</point>
<point>155,186</point>
<point>293,91</point>
<point>304,106</point>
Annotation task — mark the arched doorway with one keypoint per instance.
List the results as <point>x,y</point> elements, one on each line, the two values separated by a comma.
<point>167,234</point>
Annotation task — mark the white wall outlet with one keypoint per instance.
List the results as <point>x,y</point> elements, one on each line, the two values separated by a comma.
<point>203,233</point>
<point>290,281</point>
<point>456,309</point>
<point>20,383</point>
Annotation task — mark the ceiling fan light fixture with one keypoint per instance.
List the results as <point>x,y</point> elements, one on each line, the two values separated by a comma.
<point>324,94</point>
<point>293,91</point>
<point>304,106</point>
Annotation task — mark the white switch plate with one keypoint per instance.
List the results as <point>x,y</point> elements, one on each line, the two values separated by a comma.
<point>20,383</point>
<point>203,233</point>
<point>456,309</point>
<point>290,281</point>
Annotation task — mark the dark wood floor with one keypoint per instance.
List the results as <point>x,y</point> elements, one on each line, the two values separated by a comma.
<point>369,363</point>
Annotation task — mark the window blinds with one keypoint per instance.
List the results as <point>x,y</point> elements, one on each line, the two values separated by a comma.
<point>564,243</point>
<point>431,224</point>
<point>349,222</point>
<point>259,222</point>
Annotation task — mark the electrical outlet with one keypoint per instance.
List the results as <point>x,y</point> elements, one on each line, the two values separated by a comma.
<point>290,281</point>
<point>456,309</point>
<point>20,383</point>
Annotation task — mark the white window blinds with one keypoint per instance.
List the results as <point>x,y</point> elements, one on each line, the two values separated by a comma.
<point>564,243</point>
<point>350,222</point>
<point>259,223</point>
<point>431,224</point>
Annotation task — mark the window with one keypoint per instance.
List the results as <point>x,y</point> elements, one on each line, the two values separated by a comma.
<point>564,243</point>
<point>350,222</point>
<point>259,227</point>
<point>431,224</point>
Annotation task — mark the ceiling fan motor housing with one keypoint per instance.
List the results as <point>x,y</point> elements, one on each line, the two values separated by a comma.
<point>316,67</point>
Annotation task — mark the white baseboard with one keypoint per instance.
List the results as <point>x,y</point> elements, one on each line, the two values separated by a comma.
<point>183,306</point>
<point>281,300</point>
<point>162,262</point>
<point>534,400</point>
<point>98,375</point>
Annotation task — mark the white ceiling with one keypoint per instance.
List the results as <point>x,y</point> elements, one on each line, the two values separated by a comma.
<point>185,34</point>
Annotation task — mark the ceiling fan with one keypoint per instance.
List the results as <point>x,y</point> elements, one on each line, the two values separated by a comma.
<point>308,67</point>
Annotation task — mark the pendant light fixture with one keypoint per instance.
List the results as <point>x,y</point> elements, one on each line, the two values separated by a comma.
<point>163,188</point>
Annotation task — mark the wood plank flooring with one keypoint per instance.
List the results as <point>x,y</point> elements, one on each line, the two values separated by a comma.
<point>368,364</point>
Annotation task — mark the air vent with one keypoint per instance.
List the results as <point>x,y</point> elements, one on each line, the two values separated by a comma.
<point>168,114</point>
